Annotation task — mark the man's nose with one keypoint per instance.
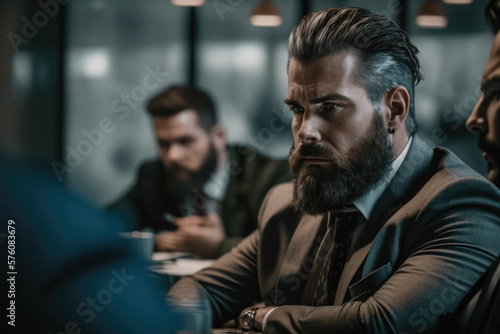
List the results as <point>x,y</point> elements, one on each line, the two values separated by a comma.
<point>477,121</point>
<point>175,153</point>
<point>309,129</point>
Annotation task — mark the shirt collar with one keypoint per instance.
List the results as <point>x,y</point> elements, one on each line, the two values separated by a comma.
<point>367,201</point>
<point>216,186</point>
<point>215,189</point>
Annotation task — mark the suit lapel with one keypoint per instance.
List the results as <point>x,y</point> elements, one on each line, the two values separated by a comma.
<point>364,243</point>
<point>411,176</point>
<point>298,259</point>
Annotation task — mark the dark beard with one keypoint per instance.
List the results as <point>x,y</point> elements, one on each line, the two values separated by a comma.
<point>317,190</point>
<point>180,189</point>
<point>493,149</point>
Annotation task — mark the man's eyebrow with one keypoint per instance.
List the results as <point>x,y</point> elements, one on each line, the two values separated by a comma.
<point>491,85</point>
<point>328,97</point>
<point>162,141</point>
<point>291,102</point>
<point>181,139</point>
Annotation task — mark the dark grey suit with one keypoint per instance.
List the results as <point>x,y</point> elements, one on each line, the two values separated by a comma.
<point>433,232</point>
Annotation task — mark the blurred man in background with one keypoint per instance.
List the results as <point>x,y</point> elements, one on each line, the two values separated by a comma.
<point>201,196</point>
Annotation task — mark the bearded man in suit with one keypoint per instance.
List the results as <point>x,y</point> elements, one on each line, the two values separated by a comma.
<point>378,232</point>
<point>201,196</point>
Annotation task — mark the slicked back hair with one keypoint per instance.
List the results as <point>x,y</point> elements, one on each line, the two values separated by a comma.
<point>179,98</point>
<point>386,58</point>
<point>493,14</point>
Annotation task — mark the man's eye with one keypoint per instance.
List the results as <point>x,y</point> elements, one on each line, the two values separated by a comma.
<point>491,94</point>
<point>185,141</point>
<point>329,107</point>
<point>297,109</point>
<point>163,144</point>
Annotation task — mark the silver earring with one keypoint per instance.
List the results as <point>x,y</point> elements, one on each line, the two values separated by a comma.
<point>392,130</point>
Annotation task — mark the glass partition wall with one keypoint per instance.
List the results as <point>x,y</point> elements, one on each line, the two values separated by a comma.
<point>120,53</point>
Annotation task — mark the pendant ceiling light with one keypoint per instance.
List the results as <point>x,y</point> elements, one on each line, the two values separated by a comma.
<point>431,15</point>
<point>188,3</point>
<point>458,2</point>
<point>266,14</point>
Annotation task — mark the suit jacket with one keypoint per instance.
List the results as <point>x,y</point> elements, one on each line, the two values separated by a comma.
<point>251,177</point>
<point>478,311</point>
<point>432,234</point>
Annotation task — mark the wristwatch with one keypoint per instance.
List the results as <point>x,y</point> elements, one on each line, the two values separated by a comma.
<point>247,319</point>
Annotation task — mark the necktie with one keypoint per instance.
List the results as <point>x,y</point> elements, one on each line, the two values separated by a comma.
<point>201,204</point>
<point>336,243</point>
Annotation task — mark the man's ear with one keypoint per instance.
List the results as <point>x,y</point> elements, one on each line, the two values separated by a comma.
<point>219,137</point>
<point>397,101</point>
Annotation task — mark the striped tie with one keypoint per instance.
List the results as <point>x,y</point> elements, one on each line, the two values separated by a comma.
<point>336,242</point>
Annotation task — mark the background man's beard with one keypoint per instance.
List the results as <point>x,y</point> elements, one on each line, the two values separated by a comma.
<point>493,149</point>
<point>319,189</point>
<point>179,189</point>
<point>494,177</point>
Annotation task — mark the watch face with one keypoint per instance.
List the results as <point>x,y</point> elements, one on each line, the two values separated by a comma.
<point>246,319</point>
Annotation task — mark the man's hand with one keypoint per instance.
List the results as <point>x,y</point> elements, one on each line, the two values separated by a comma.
<point>259,314</point>
<point>199,235</point>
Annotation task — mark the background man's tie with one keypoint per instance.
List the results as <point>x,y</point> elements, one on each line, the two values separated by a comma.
<point>335,243</point>
<point>201,204</point>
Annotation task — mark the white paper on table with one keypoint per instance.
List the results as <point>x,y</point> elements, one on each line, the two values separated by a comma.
<point>184,267</point>
<point>165,256</point>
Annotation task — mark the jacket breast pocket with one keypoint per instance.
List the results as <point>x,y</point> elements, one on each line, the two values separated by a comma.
<point>366,286</point>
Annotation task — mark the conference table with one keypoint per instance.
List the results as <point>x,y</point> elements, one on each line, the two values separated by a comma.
<point>169,267</point>
<point>174,265</point>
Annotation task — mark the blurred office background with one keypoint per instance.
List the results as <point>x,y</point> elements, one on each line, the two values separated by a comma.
<point>94,64</point>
